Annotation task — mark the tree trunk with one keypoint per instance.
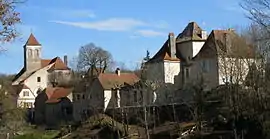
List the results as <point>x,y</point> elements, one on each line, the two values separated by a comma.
<point>146,123</point>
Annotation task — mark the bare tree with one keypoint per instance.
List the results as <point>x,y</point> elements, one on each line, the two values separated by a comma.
<point>9,17</point>
<point>94,58</point>
<point>258,11</point>
<point>61,79</point>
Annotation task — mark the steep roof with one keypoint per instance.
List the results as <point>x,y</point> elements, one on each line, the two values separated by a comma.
<point>45,62</point>
<point>55,94</point>
<point>216,44</point>
<point>32,40</point>
<point>18,88</point>
<point>164,53</point>
<point>111,80</point>
<point>59,64</point>
<point>191,32</point>
<point>22,71</point>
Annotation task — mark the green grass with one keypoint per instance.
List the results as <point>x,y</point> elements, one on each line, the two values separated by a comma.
<point>38,135</point>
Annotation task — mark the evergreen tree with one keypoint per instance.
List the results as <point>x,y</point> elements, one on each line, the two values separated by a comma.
<point>147,57</point>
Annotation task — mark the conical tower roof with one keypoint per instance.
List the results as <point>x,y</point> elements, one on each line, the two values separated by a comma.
<point>32,40</point>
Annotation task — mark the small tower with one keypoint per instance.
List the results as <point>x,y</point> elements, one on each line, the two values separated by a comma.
<point>32,54</point>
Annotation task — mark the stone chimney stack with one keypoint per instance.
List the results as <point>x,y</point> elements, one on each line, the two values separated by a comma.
<point>172,44</point>
<point>118,72</point>
<point>204,34</point>
<point>65,59</point>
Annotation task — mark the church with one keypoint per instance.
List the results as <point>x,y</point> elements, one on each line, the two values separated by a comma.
<point>34,77</point>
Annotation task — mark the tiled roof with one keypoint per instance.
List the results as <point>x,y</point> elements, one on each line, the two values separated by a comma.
<point>59,64</point>
<point>25,87</point>
<point>191,32</point>
<point>32,40</point>
<point>45,62</point>
<point>55,94</point>
<point>216,45</point>
<point>112,80</point>
<point>18,88</point>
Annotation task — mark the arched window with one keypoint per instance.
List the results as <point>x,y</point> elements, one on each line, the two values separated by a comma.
<point>37,53</point>
<point>30,53</point>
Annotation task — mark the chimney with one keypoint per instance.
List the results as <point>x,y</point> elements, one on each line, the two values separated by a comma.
<point>118,71</point>
<point>65,60</point>
<point>172,44</point>
<point>231,29</point>
<point>204,34</point>
<point>228,41</point>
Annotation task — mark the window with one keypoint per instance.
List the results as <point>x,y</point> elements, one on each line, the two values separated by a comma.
<point>187,72</point>
<point>135,96</point>
<point>83,97</point>
<point>90,96</point>
<point>205,66</point>
<point>30,53</point>
<point>38,79</point>
<point>25,93</point>
<point>27,105</point>
<point>141,97</point>
<point>37,53</point>
<point>78,96</point>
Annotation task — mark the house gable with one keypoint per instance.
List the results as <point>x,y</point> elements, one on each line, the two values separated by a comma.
<point>37,80</point>
<point>225,43</point>
<point>26,93</point>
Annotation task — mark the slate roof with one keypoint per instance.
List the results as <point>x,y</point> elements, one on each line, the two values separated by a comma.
<point>192,32</point>
<point>216,45</point>
<point>111,80</point>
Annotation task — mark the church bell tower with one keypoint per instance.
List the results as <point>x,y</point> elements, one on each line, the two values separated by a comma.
<point>32,54</point>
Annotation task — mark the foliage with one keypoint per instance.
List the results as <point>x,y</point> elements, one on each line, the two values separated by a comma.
<point>9,18</point>
<point>12,119</point>
<point>147,57</point>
